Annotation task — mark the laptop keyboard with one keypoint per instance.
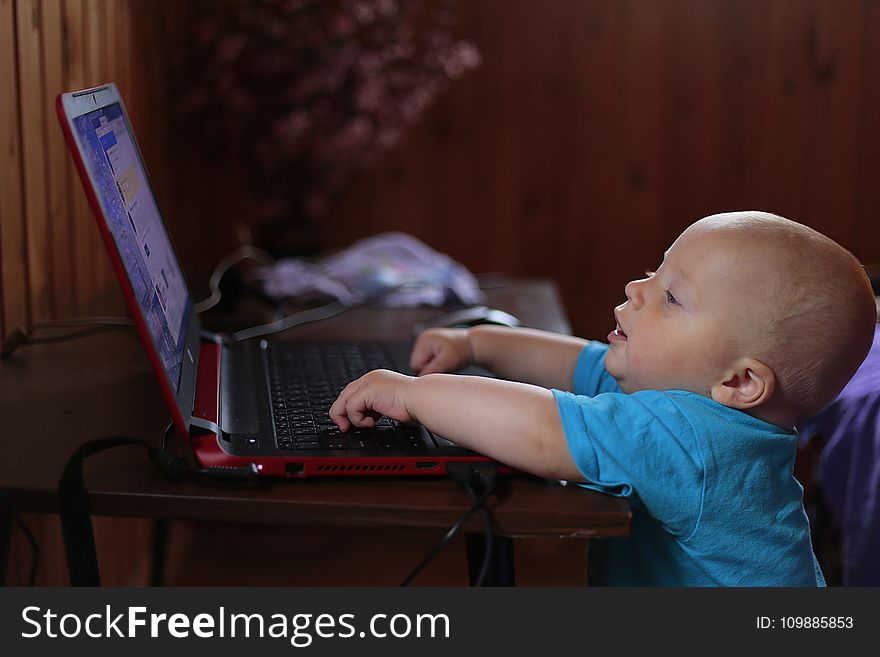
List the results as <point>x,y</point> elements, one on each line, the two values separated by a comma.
<point>305,380</point>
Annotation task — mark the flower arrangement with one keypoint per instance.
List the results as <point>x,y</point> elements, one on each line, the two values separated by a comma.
<point>307,92</point>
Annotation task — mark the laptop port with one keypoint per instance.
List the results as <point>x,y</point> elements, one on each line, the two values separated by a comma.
<point>294,469</point>
<point>426,465</point>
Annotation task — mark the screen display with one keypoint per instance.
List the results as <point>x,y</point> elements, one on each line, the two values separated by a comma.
<point>124,192</point>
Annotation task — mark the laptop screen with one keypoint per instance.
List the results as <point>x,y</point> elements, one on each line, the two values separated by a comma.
<point>124,191</point>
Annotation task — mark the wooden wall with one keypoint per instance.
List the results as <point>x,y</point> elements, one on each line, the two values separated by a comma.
<point>596,130</point>
<point>592,134</point>
<point>51,259</point>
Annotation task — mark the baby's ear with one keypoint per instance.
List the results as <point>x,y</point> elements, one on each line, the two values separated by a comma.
<point>749,384</point>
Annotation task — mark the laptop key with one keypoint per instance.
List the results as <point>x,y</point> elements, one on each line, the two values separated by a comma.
<point>387,440</point>
<point>335,443</point>
<point>362,442</point>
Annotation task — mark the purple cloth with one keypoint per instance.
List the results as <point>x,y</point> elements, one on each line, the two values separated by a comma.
<point>849,472</point>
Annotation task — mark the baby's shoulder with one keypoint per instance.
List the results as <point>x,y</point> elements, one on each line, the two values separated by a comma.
<point>673,401</point>
<point>683,401</point>
<point>680,409</point>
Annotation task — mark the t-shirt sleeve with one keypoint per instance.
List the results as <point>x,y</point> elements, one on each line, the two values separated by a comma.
<point>639,446</point>
<point>590,376</point>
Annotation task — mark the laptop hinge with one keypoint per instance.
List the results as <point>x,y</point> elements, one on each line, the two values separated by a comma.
<point>206,412</point>
<point>221,396</point>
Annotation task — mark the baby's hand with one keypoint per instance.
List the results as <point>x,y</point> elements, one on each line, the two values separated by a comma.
<point>441,350</point>
<point>375,394</point>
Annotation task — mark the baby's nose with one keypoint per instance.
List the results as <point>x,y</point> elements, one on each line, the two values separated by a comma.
<point>633,291</point>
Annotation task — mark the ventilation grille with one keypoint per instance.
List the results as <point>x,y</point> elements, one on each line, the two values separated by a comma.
<point>361,468</point>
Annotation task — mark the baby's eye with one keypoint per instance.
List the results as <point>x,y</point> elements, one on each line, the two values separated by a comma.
<point>670,298</point>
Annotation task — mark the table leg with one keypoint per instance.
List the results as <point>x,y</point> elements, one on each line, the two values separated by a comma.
<point>160,549</point>
<point>500,570</point>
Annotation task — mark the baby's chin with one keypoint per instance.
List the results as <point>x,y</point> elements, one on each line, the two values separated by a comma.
<point>644,381</point>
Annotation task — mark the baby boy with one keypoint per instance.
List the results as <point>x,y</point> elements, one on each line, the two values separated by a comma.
<point>751,324</point>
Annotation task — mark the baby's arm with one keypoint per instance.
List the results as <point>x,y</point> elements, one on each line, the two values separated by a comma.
<point>514,423</point>
<point>538,357</point>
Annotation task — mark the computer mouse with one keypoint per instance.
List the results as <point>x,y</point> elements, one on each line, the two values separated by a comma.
<point>467,317</point>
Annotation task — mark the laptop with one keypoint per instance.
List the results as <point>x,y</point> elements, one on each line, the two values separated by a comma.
<point>257,401</point>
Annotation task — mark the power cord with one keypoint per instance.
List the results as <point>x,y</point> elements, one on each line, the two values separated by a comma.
<point>73,498</point>
<point>35,552</point>
<point>314,314</point>
<point>22,336</point>
<point>479,481</point>
<point>302,317</point>
<point>246,252</point>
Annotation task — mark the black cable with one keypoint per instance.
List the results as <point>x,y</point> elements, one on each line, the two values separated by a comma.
<point>487,530</point>
<point>309,315</point>
<point>471,477</point>
<point>163,437</point>
<point>35,551</point>
<point>242,253</point>
<point>466,475</point>
<point>450,534</point>
<point>75,510</point>
<point>22,336</point>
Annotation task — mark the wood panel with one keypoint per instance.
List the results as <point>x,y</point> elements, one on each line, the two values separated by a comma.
<point>32,113</point>
<point>13,260</point>
<point>51,258</point>
<point>75,77</point>
<point>594,132</point>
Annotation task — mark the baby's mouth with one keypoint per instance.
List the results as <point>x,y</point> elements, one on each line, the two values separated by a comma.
<point>617,335</point>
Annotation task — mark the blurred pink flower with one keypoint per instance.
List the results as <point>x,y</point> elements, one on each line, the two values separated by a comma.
<point>307,92</point>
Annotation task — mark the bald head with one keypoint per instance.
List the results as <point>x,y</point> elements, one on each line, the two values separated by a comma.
<point>808,308</point>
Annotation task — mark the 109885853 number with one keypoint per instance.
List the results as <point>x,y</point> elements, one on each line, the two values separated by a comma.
<point>804,623</point>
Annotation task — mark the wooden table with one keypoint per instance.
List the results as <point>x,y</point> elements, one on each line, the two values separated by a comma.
<point>54,397</point>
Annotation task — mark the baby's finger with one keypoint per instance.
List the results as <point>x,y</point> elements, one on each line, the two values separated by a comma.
<point>358,412</point>
<point>338,413</point>
<point>339,419</point>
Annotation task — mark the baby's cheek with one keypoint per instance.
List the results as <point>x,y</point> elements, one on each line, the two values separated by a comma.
<point>636,357</point>
<point>646,361</point>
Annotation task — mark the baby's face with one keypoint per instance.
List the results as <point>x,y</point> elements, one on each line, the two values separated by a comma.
<point>682,327</point>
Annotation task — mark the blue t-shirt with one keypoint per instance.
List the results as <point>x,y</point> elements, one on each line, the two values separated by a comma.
<point>711,488</point>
